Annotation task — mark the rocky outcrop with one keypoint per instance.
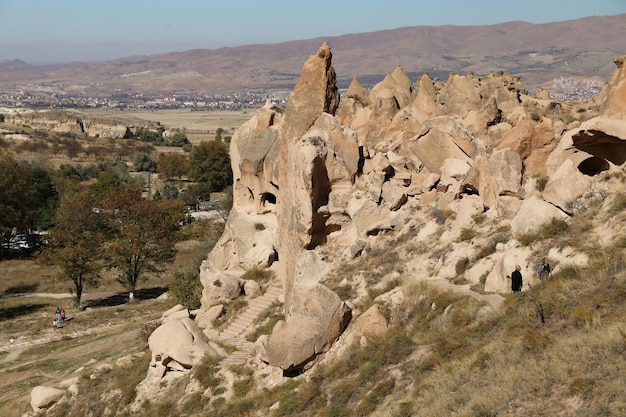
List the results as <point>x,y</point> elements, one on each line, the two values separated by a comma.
<point>318,182</point>
<point>61,121</point>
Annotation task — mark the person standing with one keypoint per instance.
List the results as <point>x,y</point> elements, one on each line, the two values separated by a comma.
<point>516,279</point>
<point>544,269</point>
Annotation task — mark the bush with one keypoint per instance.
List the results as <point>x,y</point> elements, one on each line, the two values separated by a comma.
<point>205,372</point>
<point>142,162</point>
<point>186,289</point>
<point>461,266</point>
<point>467,234</point>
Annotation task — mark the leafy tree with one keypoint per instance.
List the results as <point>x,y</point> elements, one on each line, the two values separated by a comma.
<point>18,200</point>
<point>172,165</point>
<point>142,162</point>
<point>107,181</point>
<point>179,140</point>
<point>186,289</point>
<point>209,163</point>
<point>46,198</point>
<point>75,243</point>
<point>150,136</point>
<point>141,235</point>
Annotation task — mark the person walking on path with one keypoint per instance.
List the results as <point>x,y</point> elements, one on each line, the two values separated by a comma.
<point>57,318</point>
<point>516,279</point>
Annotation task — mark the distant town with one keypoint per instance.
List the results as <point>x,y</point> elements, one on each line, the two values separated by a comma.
<point>49,96</point>
<point>52,96</point>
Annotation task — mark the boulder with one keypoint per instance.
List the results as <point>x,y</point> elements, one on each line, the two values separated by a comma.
<point>371,323</point>
<point>565,186</point>
<point>42,397</point>
<point>441,138</point>
<point>180,341</point>
<point>206,318</point>
<point>219,287</point>
<point>315,321</point>
<point>533,214</point>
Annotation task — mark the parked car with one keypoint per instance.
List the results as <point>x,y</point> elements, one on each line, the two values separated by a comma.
<point>22,245</point>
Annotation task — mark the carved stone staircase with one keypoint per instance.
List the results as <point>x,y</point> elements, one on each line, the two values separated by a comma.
<point>234,333</point>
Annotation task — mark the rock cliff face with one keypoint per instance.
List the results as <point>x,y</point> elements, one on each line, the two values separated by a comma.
<point>66,122</point>
<point>318,181</point>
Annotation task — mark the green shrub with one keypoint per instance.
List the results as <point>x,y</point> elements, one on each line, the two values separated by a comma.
<point>467,234</point>
<point>205,372</point>
<point>260,275</point>
<point>461,266</point>
<point>186,289</point>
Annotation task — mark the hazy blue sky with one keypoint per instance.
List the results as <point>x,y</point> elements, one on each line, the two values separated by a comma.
<point>43,31</point>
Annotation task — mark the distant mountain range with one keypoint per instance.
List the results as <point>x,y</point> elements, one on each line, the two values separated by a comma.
<point>538,53</point>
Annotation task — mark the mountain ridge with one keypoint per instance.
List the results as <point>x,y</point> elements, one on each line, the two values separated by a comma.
<point>538,53</point>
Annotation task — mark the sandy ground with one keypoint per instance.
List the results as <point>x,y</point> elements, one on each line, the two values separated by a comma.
<point>109,329</point>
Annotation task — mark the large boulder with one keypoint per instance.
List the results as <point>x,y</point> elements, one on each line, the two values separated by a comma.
<point>533,214</point>
<point>565,186</point>
<point>315,321</point>
<point>441,138</point>
<point>179,343</point>
<point>42,397</point>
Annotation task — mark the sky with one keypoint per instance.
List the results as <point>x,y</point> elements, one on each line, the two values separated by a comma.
<point>58,31</point>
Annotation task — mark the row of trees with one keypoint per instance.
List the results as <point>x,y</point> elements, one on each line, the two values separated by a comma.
<point>117,230</point>
<point>30,193</point>
<point>96,216</point>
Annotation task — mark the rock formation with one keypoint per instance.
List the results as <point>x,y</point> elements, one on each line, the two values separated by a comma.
<point>316,182</point>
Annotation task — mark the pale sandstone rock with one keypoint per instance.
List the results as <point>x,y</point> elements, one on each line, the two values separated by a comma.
<point>43,397</point>
<point>218,286</point>
<point>180,341</point>
<point>315,320</point>
<point>533,214</point>
<point>300,197</point>
<point>442,138</point>
<point>206,318</point>
<point>533,141</point>
<point>565,186</point>
<point>614,92</point>
<point>510,255</point>
<point>505,169</point>
<point>251,288</point>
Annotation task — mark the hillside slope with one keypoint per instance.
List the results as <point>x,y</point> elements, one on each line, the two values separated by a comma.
<point>538,53</point>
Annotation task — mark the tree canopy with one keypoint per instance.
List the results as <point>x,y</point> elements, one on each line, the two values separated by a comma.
<point>209,163</point>
<point>141,234</point>
<point>75,243</point>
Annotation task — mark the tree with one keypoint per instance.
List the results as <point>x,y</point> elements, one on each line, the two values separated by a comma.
<point>141,235</point>
<point>209,163</point>
<point>172,165</point>
<point>75,243</point>
<point>142,162</point>
<point>179,140</point>
<point>18,199</point>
